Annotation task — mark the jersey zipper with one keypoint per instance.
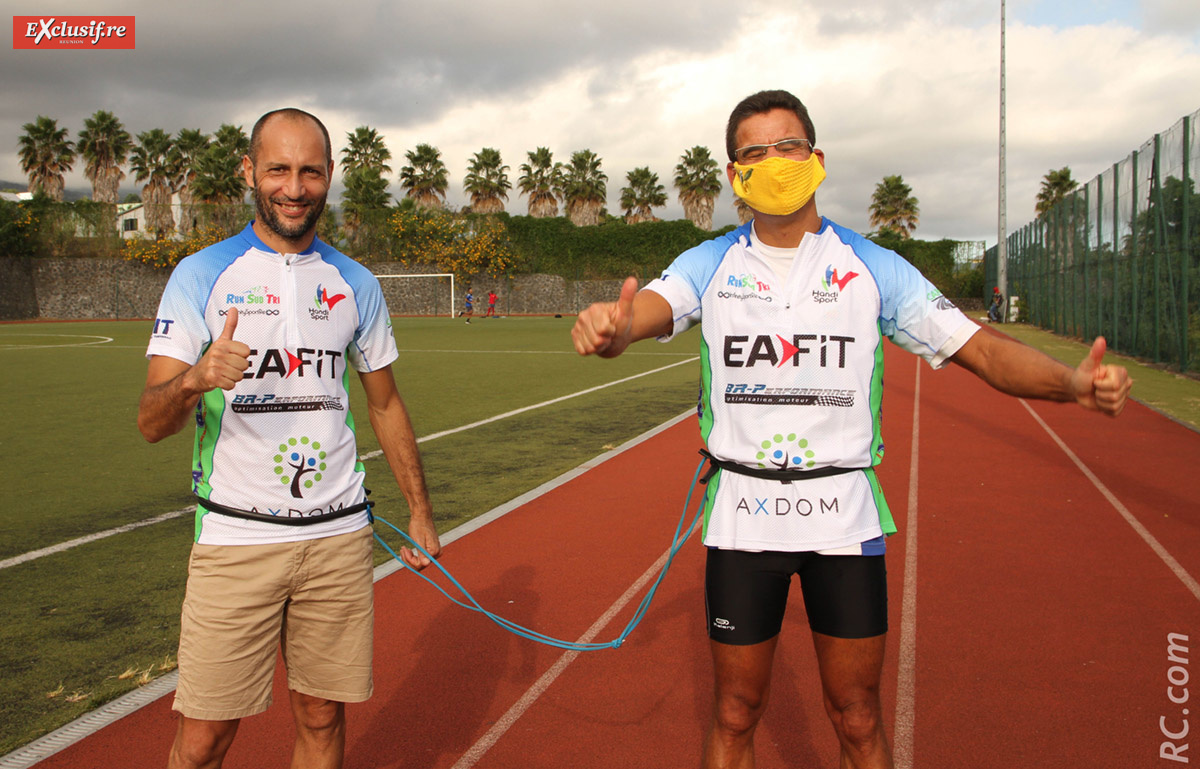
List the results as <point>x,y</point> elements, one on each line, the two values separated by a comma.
<point>289,282</point>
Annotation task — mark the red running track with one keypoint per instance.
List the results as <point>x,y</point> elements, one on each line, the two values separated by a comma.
<point>1039,616</point>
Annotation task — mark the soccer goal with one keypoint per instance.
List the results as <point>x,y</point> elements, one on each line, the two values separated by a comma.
<point>425,294</point>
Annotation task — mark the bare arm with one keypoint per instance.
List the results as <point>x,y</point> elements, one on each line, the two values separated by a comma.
<point>173,387</point>
<point>1019,370</point>
<point>607,328</point>
<point>389,420</point>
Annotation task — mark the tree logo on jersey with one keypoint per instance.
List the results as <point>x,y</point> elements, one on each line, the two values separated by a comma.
<point>299,464</point>
<point>785,453</point>
<point>832,285</point>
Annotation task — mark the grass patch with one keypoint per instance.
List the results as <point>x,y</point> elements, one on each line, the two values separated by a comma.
<point>90,624</point>
<point>1173,394</point>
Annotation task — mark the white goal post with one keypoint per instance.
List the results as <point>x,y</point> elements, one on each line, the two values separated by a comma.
<point>449,275</point>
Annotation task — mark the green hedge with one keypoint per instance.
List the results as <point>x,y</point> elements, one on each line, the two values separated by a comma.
<point>935,260</point>
<point>612,249</point>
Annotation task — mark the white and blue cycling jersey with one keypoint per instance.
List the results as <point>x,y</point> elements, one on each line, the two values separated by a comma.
<point>282,441</point>
<point>792,378</point>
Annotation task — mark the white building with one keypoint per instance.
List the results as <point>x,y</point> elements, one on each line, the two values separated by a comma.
<point>131,219</point>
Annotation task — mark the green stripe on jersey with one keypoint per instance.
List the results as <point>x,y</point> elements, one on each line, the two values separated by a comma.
<point>212,410</point>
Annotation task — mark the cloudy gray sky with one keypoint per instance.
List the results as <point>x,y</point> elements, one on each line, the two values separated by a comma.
<point>904,87</point>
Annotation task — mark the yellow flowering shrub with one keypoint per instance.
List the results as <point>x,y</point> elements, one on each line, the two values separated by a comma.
<point>463,245</point>
<point>167,252</point>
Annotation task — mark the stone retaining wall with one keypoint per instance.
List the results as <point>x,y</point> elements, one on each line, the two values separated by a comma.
<point>80,288</point>
<point>71,289</point>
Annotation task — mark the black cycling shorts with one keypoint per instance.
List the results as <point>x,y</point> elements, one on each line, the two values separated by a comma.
<point>745,594</point>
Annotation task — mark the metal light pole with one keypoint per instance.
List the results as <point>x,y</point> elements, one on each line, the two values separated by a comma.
<point>1002,224</point>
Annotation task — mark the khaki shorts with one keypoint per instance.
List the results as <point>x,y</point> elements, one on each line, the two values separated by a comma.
<point>313,597</point>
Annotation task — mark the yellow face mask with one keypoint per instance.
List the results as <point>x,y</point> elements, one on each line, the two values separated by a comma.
<point>777,185</point>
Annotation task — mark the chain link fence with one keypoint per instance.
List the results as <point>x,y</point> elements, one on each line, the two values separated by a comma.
<point>1119,256</point>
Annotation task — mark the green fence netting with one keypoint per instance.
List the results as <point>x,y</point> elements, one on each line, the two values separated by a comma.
<point>1120,256</point>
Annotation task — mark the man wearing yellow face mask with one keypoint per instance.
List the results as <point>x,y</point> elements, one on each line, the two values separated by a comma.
<point>794,309</point>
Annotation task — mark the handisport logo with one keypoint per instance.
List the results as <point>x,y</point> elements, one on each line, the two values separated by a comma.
<point>79,32</point>
<point>300,464</point>
<point>832,286</point>
<point>324,303</point>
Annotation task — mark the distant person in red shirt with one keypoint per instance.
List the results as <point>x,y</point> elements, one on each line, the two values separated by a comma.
<point>491,310</point>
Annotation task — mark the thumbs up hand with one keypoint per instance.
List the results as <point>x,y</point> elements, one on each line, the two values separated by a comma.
<point>1099,386</point>
<point>604,328</point>
<point>224,362</point>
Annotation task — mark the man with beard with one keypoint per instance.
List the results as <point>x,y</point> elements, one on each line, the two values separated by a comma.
<point>252,340</point>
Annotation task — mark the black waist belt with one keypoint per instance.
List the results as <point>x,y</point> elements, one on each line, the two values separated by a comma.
<point>250,515</point>
<point>783,476</point>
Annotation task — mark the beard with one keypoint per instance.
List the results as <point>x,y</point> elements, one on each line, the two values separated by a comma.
<point>269,217</point>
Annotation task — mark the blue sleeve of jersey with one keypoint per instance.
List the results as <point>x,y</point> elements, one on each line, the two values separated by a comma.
<point>696,266</point>
<point>180,330</point>
<point>912,311</point>
<point>683,283</point>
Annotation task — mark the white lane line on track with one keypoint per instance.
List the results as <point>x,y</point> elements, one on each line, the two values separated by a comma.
<point>61,546</point>
<point>906,677</point>
<point>493,735</point>
<point>550,402</point>
<point>32,555</point>
<point>92,722</point>
<point>1187,579</point>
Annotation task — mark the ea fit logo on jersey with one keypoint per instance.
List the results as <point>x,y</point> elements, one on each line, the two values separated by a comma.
<point>284,363</point>
<point>741,351</point>
<point>162,328</point>
<point>832,285</point>
<point>325,302</point>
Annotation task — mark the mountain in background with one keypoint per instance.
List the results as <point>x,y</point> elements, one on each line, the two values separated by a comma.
<point>69,194</point>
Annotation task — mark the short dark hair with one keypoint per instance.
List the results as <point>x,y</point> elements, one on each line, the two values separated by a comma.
<point>765,101</point>
<point>290,113</point>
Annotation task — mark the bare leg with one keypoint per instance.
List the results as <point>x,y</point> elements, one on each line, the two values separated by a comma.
<point>850,673</point>
<point>201,744</point>
<point>743,681</point>
<point>320,732</point>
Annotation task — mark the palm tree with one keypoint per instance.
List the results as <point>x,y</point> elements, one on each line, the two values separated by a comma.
<point>104,144</point>
<point>487,181</point>
<point>365,149</point>
<point>893,207</point>
<point>190,145</point>
<point>46,154</point>
<point>425,180</point>
<point>151,163</point>
<point>584,188</point>
<point>540,179</point>
<point>1056,185</point>
<point>218,180</point>
<point>744,212</point>
<point>366,191</point>
<point>698,179</point>
<point>643,194</point>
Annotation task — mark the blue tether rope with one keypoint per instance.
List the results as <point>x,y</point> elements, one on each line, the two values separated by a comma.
<point>533,635</point>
